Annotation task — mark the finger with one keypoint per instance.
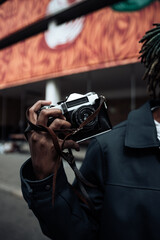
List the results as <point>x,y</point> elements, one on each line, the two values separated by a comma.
<point>71,144</point>
<point>60,124</point>
<point>33,110</point>
<point>46,113</point>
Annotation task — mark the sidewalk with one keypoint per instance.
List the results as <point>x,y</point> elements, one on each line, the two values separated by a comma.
<point>10,164</point>
<point>17,222</point>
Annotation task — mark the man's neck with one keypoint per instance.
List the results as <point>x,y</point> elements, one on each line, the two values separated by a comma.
<point>156,114</point>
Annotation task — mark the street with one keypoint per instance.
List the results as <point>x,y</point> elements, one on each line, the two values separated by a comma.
<point>17,221</point>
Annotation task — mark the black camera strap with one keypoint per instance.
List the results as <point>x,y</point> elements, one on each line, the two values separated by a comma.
<point>68,156</point>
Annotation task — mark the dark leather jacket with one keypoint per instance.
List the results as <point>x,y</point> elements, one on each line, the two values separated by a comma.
<point>125,165</point>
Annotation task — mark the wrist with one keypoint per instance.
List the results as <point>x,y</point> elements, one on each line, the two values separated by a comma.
<point>45,169</point>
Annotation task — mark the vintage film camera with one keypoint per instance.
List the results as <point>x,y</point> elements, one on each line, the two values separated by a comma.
<point>77,108</point>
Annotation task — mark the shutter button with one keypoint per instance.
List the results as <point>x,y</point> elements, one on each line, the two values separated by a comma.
<point>47,187</point>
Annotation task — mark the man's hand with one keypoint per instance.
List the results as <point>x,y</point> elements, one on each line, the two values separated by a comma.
<point>42,149</point>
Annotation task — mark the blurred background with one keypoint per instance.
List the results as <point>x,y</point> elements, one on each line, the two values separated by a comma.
<point>50,50</point>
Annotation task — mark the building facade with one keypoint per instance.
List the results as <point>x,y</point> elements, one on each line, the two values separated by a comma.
<point>95,52</point>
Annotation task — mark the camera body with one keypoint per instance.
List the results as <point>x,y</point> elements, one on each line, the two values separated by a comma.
<point>77,108</point>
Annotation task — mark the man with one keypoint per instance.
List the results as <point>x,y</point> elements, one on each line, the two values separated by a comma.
<point>123,164</point>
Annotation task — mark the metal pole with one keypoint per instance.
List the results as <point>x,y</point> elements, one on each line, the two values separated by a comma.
<point>22,116</point>
<point>4,104</point>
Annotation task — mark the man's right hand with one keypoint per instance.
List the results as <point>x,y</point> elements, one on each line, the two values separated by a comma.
<point>42,149</point>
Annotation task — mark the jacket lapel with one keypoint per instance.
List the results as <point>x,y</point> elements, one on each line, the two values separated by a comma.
<point>141,130</point>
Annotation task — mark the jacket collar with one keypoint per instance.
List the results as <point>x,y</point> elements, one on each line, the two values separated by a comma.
<point>141,131</point>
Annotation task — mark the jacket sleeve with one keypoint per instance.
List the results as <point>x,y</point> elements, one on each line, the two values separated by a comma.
<point>69,218</point>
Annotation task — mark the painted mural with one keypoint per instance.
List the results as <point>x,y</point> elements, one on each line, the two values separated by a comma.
<point>102,39</point>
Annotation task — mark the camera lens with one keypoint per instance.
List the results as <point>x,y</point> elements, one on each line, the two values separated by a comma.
<point>81,114</point>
